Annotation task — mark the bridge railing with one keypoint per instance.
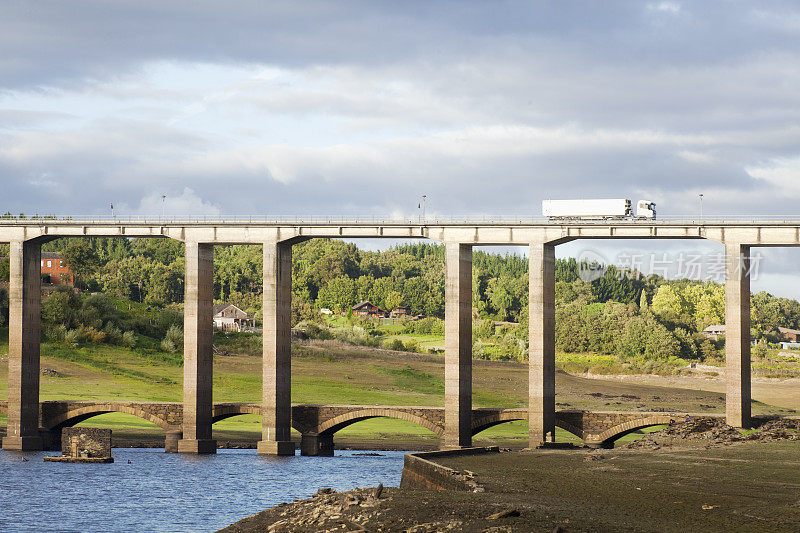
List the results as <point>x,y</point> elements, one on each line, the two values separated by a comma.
<point>345,220</point>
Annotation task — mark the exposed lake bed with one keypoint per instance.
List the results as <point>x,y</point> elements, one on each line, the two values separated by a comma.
<point>695,486</point>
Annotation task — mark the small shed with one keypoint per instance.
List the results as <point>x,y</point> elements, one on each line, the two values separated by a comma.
<point>714,331</point>
<point>789,335</point>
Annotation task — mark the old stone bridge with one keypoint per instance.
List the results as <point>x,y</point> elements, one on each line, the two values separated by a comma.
<point>318,423</point>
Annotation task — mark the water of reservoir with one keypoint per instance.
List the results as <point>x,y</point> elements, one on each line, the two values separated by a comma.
<point>171,492</point>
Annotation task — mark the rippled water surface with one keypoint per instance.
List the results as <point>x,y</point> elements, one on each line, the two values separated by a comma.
<point>171,492</point>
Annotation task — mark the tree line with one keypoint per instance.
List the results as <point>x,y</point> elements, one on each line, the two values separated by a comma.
<point>621,312</point>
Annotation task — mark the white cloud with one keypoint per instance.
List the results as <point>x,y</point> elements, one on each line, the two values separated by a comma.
<point>783,173</point>
<point>697,157</point>
<point>665,7</point>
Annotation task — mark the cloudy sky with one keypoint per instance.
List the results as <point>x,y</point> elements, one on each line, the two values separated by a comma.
<point>361,107</point>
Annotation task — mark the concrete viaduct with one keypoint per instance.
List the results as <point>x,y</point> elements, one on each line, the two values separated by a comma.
<point>278,236</point>
<point>317,424</point>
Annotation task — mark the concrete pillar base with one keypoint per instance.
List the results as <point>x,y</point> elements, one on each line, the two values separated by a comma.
<point>171,441</point>
<point>275,447</point>
<point>316,445</point>
<point>197,446</point>
<point>445,446</point>
<point>30,443</point>
<point>599,445</point>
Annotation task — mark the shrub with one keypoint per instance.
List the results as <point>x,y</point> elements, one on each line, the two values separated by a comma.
<point>314,331</point>
<point>358,336</point>
<point>128,339</point>
<point>71,337</point>
<point>412,346</point>
<point>426,326</point>
<point>483,329</point>
<point>395,344</point>
<point>56,333</point>
<point>90,334</point>
<point>113,334</point>
<point>175,336</point>
<point>479,350</point>
<point>168,346</point>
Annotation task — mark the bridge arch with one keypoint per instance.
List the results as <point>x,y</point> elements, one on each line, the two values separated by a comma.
<point>80,414</point>
<point>224,411</point>
<point>331,426</point>
<point>487,421</point>
<point>620,430</point>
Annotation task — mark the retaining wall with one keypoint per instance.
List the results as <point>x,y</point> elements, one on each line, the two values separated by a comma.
<point>421,472</point>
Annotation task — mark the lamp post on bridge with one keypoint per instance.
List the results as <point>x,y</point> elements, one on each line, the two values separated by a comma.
<point>422,206</point>
<point>701,207</point>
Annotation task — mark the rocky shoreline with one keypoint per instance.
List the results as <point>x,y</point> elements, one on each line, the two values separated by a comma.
<point>710,432</point>
<point>375,509</point>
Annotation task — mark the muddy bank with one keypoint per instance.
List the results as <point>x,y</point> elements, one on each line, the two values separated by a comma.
<point>709,480</point>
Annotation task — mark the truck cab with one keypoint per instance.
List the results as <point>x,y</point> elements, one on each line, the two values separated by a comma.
<point>645,209</point>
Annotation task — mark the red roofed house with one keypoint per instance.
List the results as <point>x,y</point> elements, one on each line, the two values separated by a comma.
<point>400,312</point>
<point>55,270</point>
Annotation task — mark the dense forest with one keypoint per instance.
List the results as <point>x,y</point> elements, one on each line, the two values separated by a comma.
<point>621,313</point>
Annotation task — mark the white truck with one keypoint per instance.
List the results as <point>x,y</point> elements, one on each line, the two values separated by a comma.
<point>597,209</point>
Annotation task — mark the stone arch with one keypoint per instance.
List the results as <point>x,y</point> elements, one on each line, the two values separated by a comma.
<point>481,423</point>
<point>620,430</point>
<point>331,426</point>
<point>80,414</point>
<point>485,422</point>
<point>229,410</point>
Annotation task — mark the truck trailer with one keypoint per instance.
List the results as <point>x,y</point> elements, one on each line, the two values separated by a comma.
<point>597,209</point>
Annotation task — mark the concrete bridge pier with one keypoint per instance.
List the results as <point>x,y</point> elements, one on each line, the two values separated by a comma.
<point>314,445</point>
<point>23,346</point>
<point>198,338</point>
<point>276,406</point>
<point>737,334</point>
<point>541,342</point>
<point>458,346</point>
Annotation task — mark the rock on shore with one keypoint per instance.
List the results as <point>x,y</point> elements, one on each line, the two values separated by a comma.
<point>328,510</point>
<point>362,509</point>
